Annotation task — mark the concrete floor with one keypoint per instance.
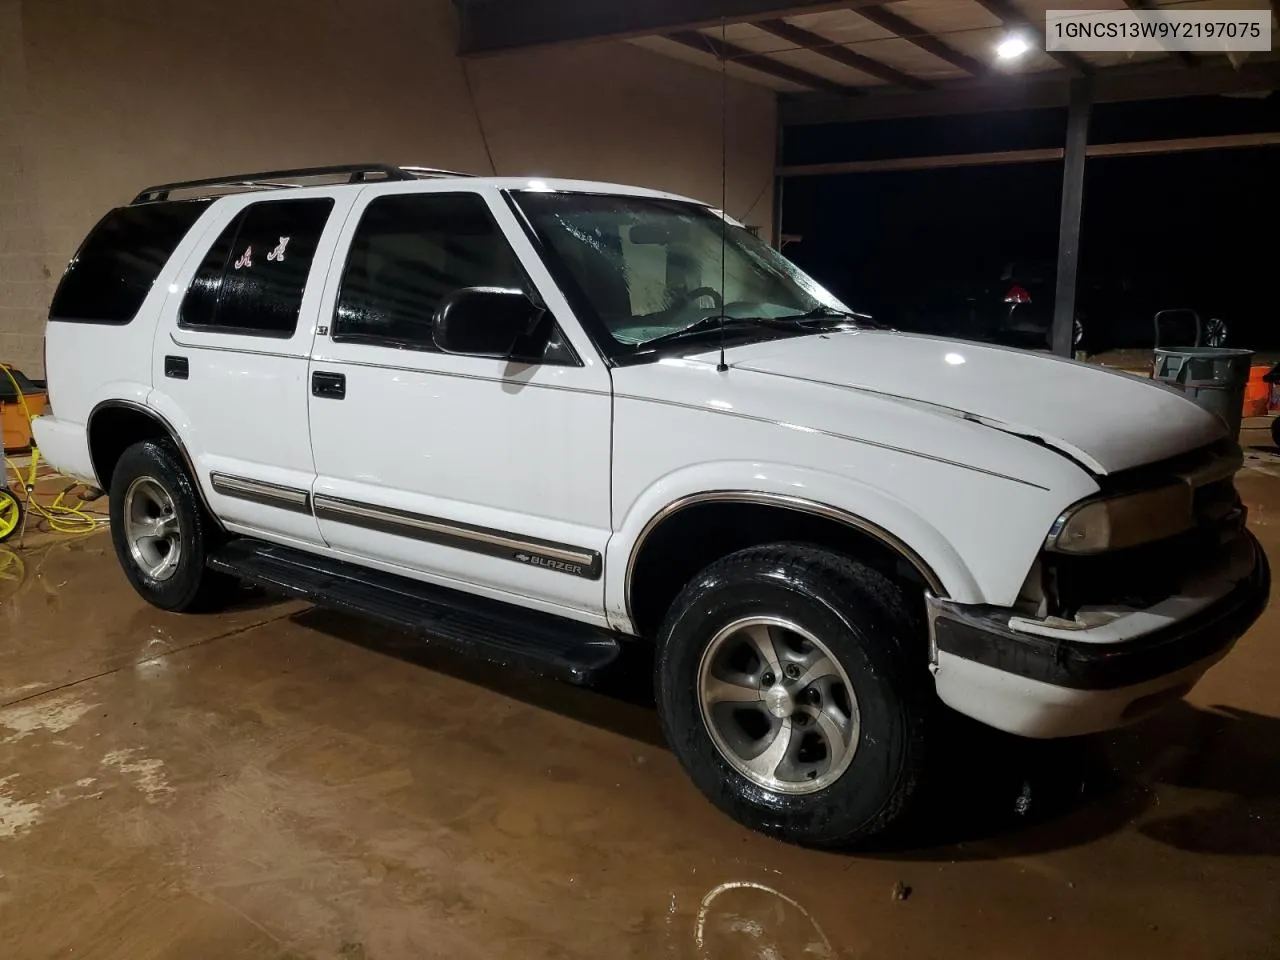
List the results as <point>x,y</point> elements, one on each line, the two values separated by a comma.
<point>274,782</point>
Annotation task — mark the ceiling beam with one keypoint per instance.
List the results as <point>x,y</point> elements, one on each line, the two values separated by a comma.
<point>1226,141</point>
<point>1185,57</point>
<point>816,43</point>
<point>1157,80</point>
<point>1011,16</point>
<point>1133,148</point>
<point>906,30</point>
<point>501,26</point>
<point>758,61</point>
<point>936,162</point>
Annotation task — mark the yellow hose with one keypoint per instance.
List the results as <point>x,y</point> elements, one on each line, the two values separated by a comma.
<point>56,515</point>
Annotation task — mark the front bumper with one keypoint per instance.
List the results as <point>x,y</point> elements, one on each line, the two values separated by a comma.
<point>1054,686</point>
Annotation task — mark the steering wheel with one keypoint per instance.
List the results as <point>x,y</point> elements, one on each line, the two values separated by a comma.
<point>693,295</point>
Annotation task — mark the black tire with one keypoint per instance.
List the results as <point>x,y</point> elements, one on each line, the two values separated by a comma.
<point>864,621</point>
<point>1275,431</point>
<point>190,586</point>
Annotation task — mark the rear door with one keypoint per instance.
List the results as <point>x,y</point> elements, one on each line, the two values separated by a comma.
<point>231,357</point>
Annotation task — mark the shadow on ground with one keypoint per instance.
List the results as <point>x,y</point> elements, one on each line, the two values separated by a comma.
<point>989,795</point>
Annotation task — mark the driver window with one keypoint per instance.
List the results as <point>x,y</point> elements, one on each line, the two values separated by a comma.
<point>412,250</point>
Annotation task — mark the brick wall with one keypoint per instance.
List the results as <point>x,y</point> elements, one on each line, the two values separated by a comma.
<point>101,97</point>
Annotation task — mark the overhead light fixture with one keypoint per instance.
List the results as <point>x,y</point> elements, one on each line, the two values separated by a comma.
<point>1012,47</point>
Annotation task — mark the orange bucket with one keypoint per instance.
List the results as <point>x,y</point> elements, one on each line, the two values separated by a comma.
<point>14,425</point>
<point>1256,392</point>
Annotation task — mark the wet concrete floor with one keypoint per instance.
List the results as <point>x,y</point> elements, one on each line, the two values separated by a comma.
<point>275,782</point>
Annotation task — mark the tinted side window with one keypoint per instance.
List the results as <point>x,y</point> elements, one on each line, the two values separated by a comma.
<point>114,269</point>
<point>408,253</point>
<point>253,277</point>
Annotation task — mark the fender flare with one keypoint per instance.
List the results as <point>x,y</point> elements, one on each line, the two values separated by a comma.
<point>801,505</point>
<point>163,422</point>
<point>918,543</point>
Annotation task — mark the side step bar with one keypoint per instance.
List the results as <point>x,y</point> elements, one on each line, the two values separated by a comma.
<point>498,632</point>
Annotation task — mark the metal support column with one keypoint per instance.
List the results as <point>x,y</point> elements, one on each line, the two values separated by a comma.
<point>775,231</point>
<point>1064,301</point>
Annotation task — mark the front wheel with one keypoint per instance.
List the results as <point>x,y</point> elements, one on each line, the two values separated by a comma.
<point>790,687</point>
<point>160,531</point>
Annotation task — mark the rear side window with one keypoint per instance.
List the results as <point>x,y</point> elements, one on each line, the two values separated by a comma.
<point>410,252</point>
<point>252,279</point>
<point>114,269</point>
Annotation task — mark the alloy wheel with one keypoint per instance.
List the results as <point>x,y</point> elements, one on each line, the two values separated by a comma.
<point>152,529</point>
<point>778,705</point>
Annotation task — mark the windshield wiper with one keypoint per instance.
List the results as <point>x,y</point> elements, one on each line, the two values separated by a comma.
<point>705,325</point>
<point>714,322</point>
<point>822,313</point>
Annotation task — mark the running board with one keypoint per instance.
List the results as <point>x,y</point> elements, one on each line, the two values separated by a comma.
<point>499,632</point>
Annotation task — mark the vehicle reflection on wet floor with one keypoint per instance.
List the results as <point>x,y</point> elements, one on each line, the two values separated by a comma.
<point>278,782</point>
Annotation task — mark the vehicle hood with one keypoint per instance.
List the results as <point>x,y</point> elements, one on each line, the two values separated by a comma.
<point>1105,420</point>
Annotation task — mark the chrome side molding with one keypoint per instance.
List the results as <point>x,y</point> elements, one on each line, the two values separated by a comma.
<point>260,491</point>
<point>547,554</point>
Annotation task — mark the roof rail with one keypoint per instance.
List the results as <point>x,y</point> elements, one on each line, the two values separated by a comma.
<point>273,179</point>
<point>423,172</point>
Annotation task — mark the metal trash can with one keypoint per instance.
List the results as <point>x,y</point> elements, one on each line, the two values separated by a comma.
<point>1211,377</point>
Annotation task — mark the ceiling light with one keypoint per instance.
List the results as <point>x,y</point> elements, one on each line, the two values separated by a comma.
<point>1012,47</point>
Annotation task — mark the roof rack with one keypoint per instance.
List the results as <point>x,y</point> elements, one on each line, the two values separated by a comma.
<point>275,179</point>
<point>422,172</point>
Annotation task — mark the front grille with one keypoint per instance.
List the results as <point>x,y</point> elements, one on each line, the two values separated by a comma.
<point>1213,502</point>
<point>1154,474</point>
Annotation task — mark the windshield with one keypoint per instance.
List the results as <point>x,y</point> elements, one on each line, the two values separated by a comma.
<point>647,268</point>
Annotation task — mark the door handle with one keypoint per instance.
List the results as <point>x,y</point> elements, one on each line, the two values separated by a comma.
<point>177,368</point>
<point>331,385</point>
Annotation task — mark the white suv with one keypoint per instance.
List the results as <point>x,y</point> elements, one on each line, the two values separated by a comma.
<point>543,420</point>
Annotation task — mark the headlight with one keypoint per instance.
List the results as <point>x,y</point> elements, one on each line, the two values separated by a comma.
<point>1125,521</point>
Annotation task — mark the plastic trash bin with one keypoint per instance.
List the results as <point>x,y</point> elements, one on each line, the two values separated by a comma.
<point>1214,378</point>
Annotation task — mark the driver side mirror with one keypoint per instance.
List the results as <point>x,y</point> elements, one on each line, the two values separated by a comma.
<point>490,322</point>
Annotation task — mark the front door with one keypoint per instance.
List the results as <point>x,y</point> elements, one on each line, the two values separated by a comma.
<point>472,472</point>
<point>231,355</point>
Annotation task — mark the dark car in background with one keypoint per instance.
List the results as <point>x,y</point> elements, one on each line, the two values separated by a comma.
<point>1012,303</point>
<point>1113,309</point>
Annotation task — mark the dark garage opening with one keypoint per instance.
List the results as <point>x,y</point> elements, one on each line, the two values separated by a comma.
<point>940,250</point>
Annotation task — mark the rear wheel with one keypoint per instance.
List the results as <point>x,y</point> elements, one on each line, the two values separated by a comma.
<point>160,531</point>
<point>790,687</point>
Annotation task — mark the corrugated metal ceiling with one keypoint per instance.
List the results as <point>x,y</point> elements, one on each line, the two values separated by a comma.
<point>930,41</point>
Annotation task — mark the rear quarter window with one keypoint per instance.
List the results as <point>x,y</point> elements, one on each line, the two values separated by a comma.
<point>252,280</point>
<point>112,272</point>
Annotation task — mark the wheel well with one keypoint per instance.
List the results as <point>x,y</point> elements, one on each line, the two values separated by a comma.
<point>698,535</point>
<point>112,431</point>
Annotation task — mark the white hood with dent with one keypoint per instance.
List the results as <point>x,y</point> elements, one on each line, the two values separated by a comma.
<point>1108,421</point>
